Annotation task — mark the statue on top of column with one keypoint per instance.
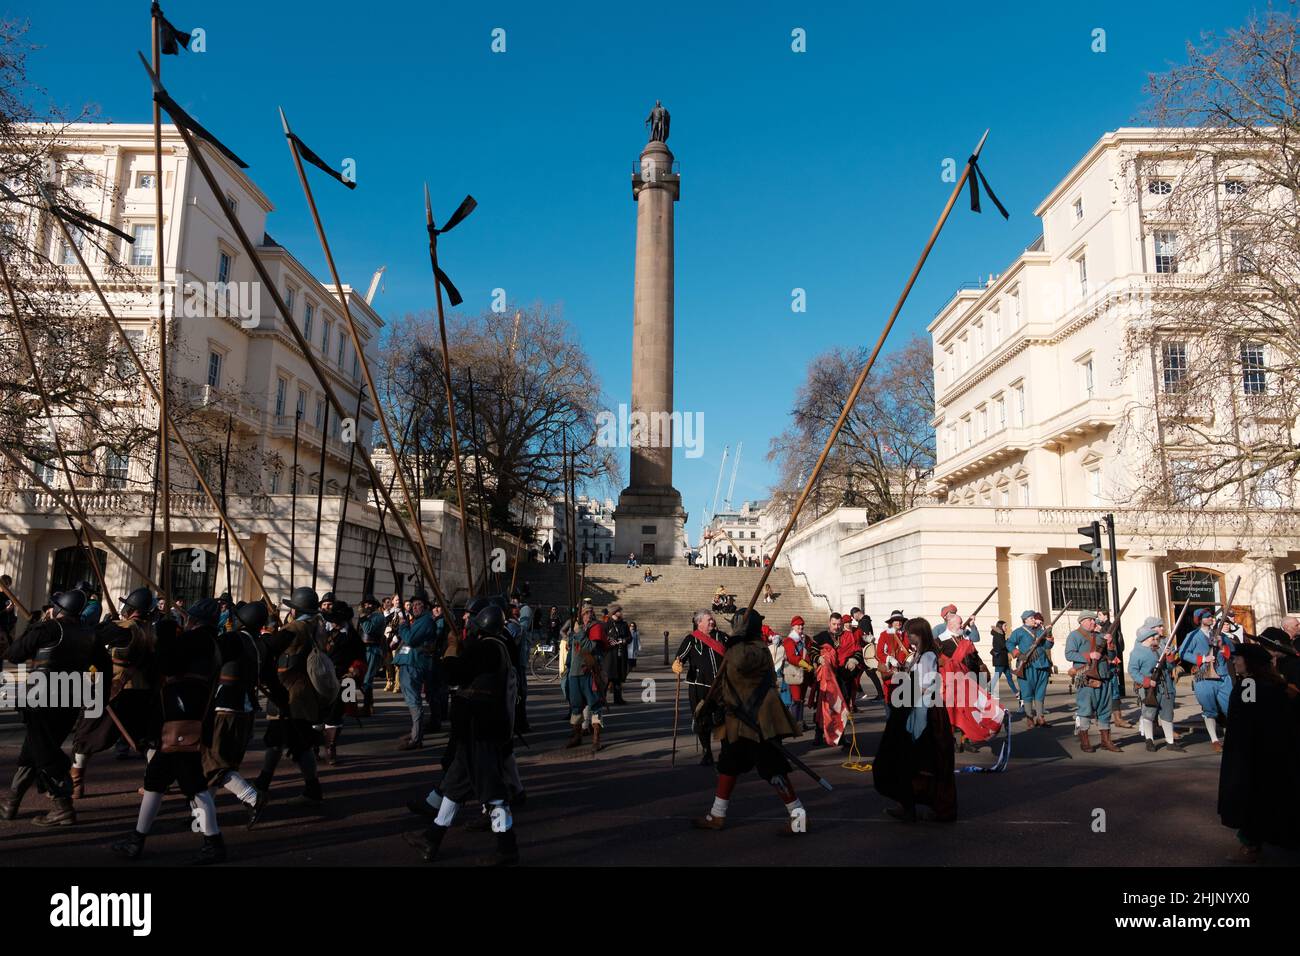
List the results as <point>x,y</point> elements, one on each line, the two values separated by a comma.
<point>658,122</point>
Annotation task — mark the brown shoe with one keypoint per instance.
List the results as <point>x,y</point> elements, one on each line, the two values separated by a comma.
<point>1084,743</point>
<point>78,783</point>
<point>709,822</point>
<point>595,738</point>
<point>409,744</point>
<point>1217,745</point>
<point>1040,722</point>
<point>1118,720</point>
<point>1108,744</point>
<point>575,738</point>
<point>61,816</point>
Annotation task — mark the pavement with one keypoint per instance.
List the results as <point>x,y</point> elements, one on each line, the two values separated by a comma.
<point>628,805</point>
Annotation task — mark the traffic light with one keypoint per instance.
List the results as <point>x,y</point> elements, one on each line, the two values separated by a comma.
<point>1092,546</point>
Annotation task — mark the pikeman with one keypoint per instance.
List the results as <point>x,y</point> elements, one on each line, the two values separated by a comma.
<point>133,693</point>
<point>234,706</point>
<point>1032,638</point>
<point>1093,656</point>
<point>188,664</point>
<point>59,646</point>
<point>482,727</point>
<point>1209,652</point>
<point>1155,682</point>
<point>344,647</point>
<point>698,657</point>
<point>293,709</point>
<point>745,706</point>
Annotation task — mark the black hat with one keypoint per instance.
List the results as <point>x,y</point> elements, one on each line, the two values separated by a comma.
<point>205,611</point>
<point>490,620</point>
<point>141,599</point>
<point>303,599</point>
<point>253,615</point>
<point>339,613</point>
<point>747,625</point>
<point>421,595</point>
<point>71,602</point>
<point>369,599</point>
<point>1253,654</point>
<point>327,597</point>
<point>896,616</point>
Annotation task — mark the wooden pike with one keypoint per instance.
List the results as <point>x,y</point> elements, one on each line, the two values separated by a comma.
<point>293,500</point>
<point>414,541</point>
<point>157,397</point>
<point>478,482</point>
<point>347,491</point>
<point>320,494</point>
<point>88,543</point>
<point>866,370</point>
<point>164,474</point>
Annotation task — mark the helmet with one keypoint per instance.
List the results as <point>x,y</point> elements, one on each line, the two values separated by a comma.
<point>205,611</point>
<point>141,599</point>
<point>71,602</point>
<point>327,597</point>
<point>303,599</point>
<point>747,625</point>
<point>490,620</point>
<point>253,615</point>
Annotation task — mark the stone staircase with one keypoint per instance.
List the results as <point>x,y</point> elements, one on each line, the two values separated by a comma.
<point>677,592</point>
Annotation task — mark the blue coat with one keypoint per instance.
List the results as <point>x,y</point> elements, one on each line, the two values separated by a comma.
<point>1022,639</point>
<point>416,636</point>
<point>1077,647</point>
<point>1197,644</point>
<point>372,628</point>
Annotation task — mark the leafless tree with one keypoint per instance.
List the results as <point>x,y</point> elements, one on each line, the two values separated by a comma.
<point>1219,334</point>
<point>885,451</point>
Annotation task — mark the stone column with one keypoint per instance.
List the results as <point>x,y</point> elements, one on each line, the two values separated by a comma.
<point>1026,584</point>
<point>1265,590</point>
<point>1150,600</point>
<point>19,562</point>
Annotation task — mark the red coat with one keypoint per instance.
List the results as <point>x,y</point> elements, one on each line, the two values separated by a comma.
<point>892,645</point>
<point>793,657</point>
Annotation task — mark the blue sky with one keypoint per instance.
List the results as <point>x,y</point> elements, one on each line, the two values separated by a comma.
<point>818,170</point>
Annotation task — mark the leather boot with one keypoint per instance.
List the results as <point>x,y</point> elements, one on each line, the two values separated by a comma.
<point>213,851</point>
<point>311,791</point>
<point>1108,744</point>
<point>63,815</point>
<point>575,738</point>
<point>507,853</point>
<point>595,738</point>
<point>1117,718</point>
<point>22,782</point>
<point>1084,743</point>
<point>331,745</point>
<point>428,841</point>
<point>131,848</point>
<point>78,783</point>
<point>368,707</point>
<point>255,810</point>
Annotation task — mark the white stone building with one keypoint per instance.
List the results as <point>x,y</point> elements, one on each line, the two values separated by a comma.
<point>1032,388</point>
<point>744,532</point>
<point>227,363</point>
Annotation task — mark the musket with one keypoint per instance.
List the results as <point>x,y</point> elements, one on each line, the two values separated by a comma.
<point>1039,641</point>
<point>974,614</point>
<point>1093,671</point>
<point>1162,666</point>
<point>677,701</point>
<point>160,247</point>
<point>1215,637</point>
<point>320,494</point>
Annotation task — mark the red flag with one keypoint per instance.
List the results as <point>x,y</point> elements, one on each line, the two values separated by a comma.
<point>970,709</point>
<point>834,712</point>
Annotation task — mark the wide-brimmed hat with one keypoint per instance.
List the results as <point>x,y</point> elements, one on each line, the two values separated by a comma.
<point>896,616</point>
<point>303,599</point>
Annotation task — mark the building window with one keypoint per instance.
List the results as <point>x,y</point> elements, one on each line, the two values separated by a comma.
<point>1166,246</point>
<point>214,369</point>
<point>301,410</point>
<point>1243,252</point>
<point>1253,380</point>
<point>1024,494</point>
<point>965,432</point>
<point>115,470</point>
<point>275,483</point>
<point>1015,305</point>
<point>355,367</point>
<point>995,325</point>
<point>67,256</point>
<point>342,349</point>
<point>123,363</point>
<point>979,341</point>
<point>984,421</point>
<point>1094,484</point>
<point>1000,403</point>
<point>1291,588</point>
<point>1160,187</point>
<point>320,412</point>
<point>1080,587</point>
<point>965,353</point>
<point>1088,379</point>
<point>232,202</point>
<point>1081,264</point>
<point>142,246</point>
<point>281,388</point>
<point>1018,391</point>
<point>146,181</point>
<point>1182,481</point>
<point>325,337</point>
<point>290,295</point>
<point>1005,493</point>
<point>1234,187</point>
<point>1078,209</point>
<point>223,267</point>
<point>1174,366</point>
<point>308,319</point>
<point>1267,490</point>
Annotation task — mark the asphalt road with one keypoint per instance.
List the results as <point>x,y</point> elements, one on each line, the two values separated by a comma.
<point>628,805</point>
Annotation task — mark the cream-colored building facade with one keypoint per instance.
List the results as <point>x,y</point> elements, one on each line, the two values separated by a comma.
<point>231,359</point>
<point>1032,387</point>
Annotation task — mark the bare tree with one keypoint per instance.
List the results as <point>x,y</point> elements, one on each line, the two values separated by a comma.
<point>885,451</point>
<point>533,384</point>
<point>1219,334</point>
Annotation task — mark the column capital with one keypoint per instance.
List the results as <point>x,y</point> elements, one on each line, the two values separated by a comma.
<point>1027,554</point>
<point>1263,558</point>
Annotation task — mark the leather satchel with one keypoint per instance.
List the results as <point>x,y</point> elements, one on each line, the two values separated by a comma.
<point>182,736</point>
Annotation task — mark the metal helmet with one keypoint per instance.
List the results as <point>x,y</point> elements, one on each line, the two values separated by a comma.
<point>71,602</point>
<point>490,620</point>
<point>303,599</point>
<point>205,611</point>
<point>253,615</point>
<point>141,599</point>
<point>327,597</point>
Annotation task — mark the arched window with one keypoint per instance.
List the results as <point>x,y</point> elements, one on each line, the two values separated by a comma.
<point>71,568</point>
<point>1291,588</point>
<point>194,574</point>
<point>1083,588</point>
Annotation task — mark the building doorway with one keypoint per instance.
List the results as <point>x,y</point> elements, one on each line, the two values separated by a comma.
<point>194,574</point>
<point>72,568</point>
